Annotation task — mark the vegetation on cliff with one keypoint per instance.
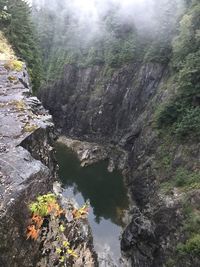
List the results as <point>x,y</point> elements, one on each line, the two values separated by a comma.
<point>6,51</point>
<point>54,228</point>
<point>16,23</point>
<point>182,114</point>
<point>171,38</point>
<point>173,41</point>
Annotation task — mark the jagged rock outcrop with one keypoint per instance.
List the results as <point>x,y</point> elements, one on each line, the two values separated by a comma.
<point>23,176</point>
<point>118,107</point>
<point>89,153</point>
<point>27,168</point>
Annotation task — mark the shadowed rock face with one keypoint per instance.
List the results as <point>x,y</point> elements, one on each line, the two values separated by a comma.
<point>91,102</point>
<point>27,169</point>
<point>118,107</point>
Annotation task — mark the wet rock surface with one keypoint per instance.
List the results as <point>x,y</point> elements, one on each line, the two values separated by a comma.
<point>27,167</point>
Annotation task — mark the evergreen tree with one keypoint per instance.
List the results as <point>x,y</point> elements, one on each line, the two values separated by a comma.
<point>20,31</point>
<point>182,114</point>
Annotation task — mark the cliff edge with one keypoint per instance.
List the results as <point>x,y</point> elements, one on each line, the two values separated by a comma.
<point>28,169</point>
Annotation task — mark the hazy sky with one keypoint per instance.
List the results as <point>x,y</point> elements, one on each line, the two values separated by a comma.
<point>89,12</point>
<point>94,6</point>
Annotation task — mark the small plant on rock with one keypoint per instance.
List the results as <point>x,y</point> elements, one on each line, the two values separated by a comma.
<point>50,227</point>
<point>14,65</point>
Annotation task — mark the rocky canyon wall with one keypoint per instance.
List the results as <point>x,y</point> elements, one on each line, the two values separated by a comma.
<point>118,107</point>
<point>28,168</point>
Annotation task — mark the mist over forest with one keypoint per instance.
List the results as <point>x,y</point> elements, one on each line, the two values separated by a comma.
<point>116,80</point>
<point>108,31</point>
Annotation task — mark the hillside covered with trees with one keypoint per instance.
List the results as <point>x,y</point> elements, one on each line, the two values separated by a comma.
<point>125,75</point>
<point>17,25</point>
<point>169,35</point>
<point>111,38</point>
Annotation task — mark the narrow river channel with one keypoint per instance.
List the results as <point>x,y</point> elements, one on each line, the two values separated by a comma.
<point>106,193</point>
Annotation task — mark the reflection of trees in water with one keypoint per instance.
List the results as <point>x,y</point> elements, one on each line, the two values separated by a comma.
<point>105,190</point>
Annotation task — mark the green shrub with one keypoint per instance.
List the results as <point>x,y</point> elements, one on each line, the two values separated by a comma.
<point>192,224</point>
<point>40,206</point>
<point>185,178</point>
<point>181,177</point>
<point>169,114</point>
<point>191,247</point>
<point>189,76</point>
<point>188,41</point>
<point>189,125</point>
<point>159,52</point>
<point>182,115</point>
<point>181,118</point>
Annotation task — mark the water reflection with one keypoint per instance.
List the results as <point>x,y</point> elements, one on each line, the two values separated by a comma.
<point>105,190</point>
<point>107,195</point>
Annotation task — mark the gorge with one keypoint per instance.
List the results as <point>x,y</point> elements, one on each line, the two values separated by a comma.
<point>122,86</point>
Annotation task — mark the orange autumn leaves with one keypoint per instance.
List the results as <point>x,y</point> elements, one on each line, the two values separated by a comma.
<point>34,229</point>
<point>81,213</point>
<point>44,206</point>
<point>52,230</point>
<point>54,208</point>
<point>32,232</point>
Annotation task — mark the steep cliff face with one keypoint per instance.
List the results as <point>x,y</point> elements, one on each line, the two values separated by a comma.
<point>23,175</point>
<point>27,169</point>
<point>102,103</point>
<point>118,107</point>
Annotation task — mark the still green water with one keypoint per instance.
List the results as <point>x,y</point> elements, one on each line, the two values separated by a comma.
<point>106,193</point>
